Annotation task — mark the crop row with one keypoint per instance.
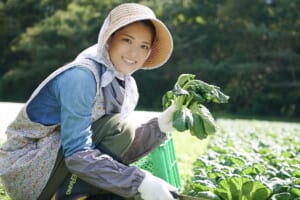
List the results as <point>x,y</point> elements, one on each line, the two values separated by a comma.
<point>250,160</point>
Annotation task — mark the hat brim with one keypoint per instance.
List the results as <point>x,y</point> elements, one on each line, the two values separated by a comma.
<point>161,48</point>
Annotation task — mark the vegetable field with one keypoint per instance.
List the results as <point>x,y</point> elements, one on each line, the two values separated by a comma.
<point>249,159</point>
<point>245,160</point>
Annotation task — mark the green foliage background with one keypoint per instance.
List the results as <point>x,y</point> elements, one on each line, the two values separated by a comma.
<point>250,48</point>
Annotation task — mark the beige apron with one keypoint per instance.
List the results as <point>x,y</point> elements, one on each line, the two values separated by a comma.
<point>28,156</point>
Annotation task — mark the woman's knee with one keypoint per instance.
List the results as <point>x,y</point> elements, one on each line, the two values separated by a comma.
<point>128,130</point>
<point>114,134</point>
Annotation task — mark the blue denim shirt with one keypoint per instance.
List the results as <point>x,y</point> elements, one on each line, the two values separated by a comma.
<point>67,100</point>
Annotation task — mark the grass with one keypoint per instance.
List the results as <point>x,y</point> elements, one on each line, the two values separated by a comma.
<point>187,149</point>
<point>3,194</point>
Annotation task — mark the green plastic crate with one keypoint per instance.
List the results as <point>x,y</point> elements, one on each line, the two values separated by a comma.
<point>162,163</point>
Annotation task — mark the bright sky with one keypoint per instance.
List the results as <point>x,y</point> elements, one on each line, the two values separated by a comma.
<point>8,112</point>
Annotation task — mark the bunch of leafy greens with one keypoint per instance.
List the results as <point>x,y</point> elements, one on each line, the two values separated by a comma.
<point>188,95</point>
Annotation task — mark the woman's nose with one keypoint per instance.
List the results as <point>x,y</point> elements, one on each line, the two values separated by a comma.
<point>133,51</point>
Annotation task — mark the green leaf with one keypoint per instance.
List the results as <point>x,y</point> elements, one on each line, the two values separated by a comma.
<point>216,96</point>
<point>253,170</point>
<point>219,149</point>
<point>202,163</point>
<point>196,98</point>
<point>278,185</point>
<point>183,79</point>
<point>296,191</point>
<point>258,191</point>
<point>235,160</point>
<point>182,119</point>
<point>210,126</point>
<point>211,93</point>
<point>199,186</point>
<point>223,191</point>
<point>198,127</point>
<point>238,188</point>
<point>296,181</point>
<point>229,188</point>
<point>283,174</point>
<point>281,196</point>
<point>296,174</point>
<point>278,188</point>
<point>216,175</point>
<point>167,99</point>
<point>179,91</point>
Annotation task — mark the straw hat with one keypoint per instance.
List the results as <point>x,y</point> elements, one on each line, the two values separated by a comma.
<point>128,13</point>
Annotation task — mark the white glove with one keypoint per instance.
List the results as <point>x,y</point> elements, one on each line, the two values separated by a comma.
<point>154,188</point>
<point>165,120</point>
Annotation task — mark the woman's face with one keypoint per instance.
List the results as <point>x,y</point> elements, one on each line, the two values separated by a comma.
<point>129,47</point>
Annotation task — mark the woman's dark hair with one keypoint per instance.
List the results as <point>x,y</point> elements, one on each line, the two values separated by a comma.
<point>147,23</point>
<point>151,26</point>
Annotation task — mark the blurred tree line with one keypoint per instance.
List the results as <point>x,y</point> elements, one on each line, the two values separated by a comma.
<point>250,48</point>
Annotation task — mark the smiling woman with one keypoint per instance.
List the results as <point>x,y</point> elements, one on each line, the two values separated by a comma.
<point>74,123</point>
<point>130,47</point>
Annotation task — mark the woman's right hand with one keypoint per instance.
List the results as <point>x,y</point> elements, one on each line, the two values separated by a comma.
<point>154,188</point>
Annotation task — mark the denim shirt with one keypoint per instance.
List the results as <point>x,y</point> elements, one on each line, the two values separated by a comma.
<point>68,100</point>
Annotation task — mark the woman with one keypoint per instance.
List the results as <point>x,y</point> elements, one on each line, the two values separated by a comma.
<point>71,139</point>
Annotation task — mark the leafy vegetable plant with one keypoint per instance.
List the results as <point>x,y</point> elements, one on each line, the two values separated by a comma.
<point>250,160</point>
<point>189,95</point>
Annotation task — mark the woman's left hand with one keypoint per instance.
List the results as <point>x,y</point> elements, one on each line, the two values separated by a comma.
<point>165,120</point>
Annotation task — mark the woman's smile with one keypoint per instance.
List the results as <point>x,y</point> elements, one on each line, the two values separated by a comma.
<point>128,61</point>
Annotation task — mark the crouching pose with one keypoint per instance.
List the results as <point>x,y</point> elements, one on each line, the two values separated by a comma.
<point>72,139</point>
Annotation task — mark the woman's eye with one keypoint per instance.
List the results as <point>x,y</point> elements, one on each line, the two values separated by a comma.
<point>146,47</point>
<point>127,40</point>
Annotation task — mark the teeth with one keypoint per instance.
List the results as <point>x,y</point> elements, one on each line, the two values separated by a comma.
<point>129,61</point>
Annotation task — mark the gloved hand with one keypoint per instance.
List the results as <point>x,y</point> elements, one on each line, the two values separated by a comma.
<point>165,120</point>
<point>154,188</point>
